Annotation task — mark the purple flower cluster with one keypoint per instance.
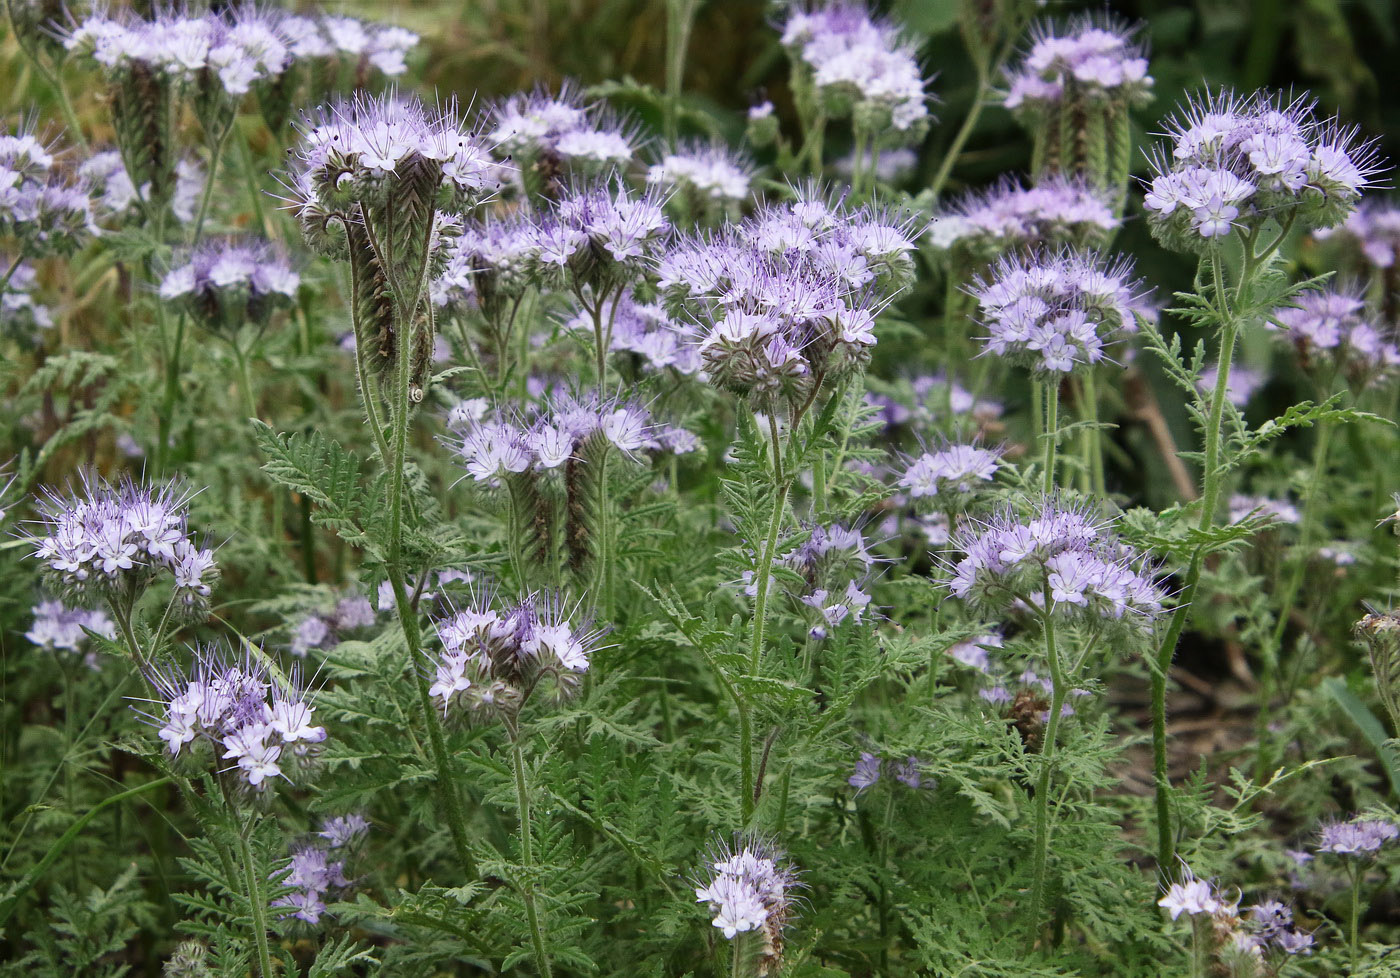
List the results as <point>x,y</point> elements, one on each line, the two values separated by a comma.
<point>314,874</point>
<point>1094,58</point>
<point>644,330</point>
<point>491,449</point>
<point>1057,210</point>
<point>314,631</point>
<point>241,47</point>
<point>953,471</point>
<point>860,66</point>
<point>1333,331</point>
<point>493,659</point>
<point>1193,896</point>
<point>1244,382</point>
<point>1063,560</point>
<point>228,284</point>
<point>39,206</point>
<point>599,235</point>
<point>789,296</point>
<point>562,128</point>
<point>1235,161</point>
<point>115,194</point>
<point>976,651</point>
<point>870,767</point>
<point>1373,229</point>
<point>357,151</point>
<point>58,627</point>
<point>704,173</point>
<point>1271,927</point>
<point>747,888</point>
<point>111,541</point>
<point>257,720</point>
<point>1054,312</point>
<point>20,315</point>
<point>1360,836</point>
<point>833,563</point>
<point>489,265</point>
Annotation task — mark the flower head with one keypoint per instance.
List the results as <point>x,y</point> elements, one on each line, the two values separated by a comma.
<point>1360,837</point>
<point>1332,330</point>
<point>1094,58</point>
<point>747,887</point>
<point>1058,210</point>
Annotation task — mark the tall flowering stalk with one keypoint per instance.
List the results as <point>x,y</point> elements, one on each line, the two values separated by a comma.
<point>1066,567</point>
<point>380,182</point>
<point>783,307</point>
<point>1244,171</point>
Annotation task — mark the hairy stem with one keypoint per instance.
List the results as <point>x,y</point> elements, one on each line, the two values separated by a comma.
<point>1042,788</point>
<point>256,902</point>
<point>527,858</point>
<point>1051,432</point>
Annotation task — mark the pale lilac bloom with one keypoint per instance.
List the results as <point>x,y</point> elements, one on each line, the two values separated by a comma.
<point>1358,837</point>
<point>747,888</point>
<point>867,772</point>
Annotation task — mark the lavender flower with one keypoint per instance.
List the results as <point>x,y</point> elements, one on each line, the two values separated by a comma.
<point>1055,313</point>
<point>748,888</point>
<point>1361,837</point>
<point>256,719</point>
<point>58,627</point>
<point>1373,231</point>
<point>493,659</point>
<point>955,471</point>
<point>542,133</point>
<point>1063,560</point>
<point>1233,162</point>
<point>975,652</point>
<point>909,772</point>
<point>646,332</point>
<point>1332,331</point>
<point>859,66</point>
<point>598,236</point>
<point>1194,897</point>
<point>703,175</point>
<point>344,830</point>
<point>489,266</point>
<point>110,542</point>
<point>1057,210</point>
<point>1244,382</point>
<point>20,315</point>
<point>1097,58</point>
<point>1271,926</point>
<point>228,284</point>
<point>43,210</point>
<point>867,772</point>
<point>313,874</point>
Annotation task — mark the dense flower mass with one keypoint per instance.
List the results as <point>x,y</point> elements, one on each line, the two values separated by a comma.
<point>563,129</point>
<point>111,541</point>
<point>952,471</point>
<point>748,887</point>
<point>599,235</point>
<point>494,657</point>
<point>1358,837</point>
<point>1334,331</point>
<point>703,174</point>
<point>644,332</point>
<point>1056,210</point>
<point>1271,927</point>
<point>60,628</point>
<point>560,431</point>
<point>1064,560</point>
<point>789,296</point>
<point>1373,230</point>
<point>314,874</point>
<point>1096,57</point>
<point>227,284</point>
<point>1054,312</point>
<point>253,718</point>
<point>1234,162</point>
<point>39,206</point>
<point>861,66</point>
<point>489,265</point>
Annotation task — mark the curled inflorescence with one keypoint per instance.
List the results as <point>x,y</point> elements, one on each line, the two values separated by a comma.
<point>111,541</point>
<point>953,471</point>
<point>1360,837</point>
<point>257,720</point>
<point>787,298</point>
<point>1234,162</point>
<point>1094,58</point>
<point>1055,312</point>
<point>749,888</point>
<point>494,658</point>
<point>1063,560</point>
<point>40,207</point>
<point>227,284</point>
<point>1333,331</point>
<point>1057,210</point>
<point>853,64</point>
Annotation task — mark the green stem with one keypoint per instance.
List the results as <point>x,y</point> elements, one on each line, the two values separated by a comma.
<point>680,18</point>
<point>1042,789</point>
<point>256,902</point>
<point>1354,924</point>
<point>215,154</point>
<point>10,272</point>
<point>1093,436</point>
<point>527,886</point>
<point>1210,499</point>
<point>1051,432</point>
<point>245,381</point>
<point>955,148</point>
